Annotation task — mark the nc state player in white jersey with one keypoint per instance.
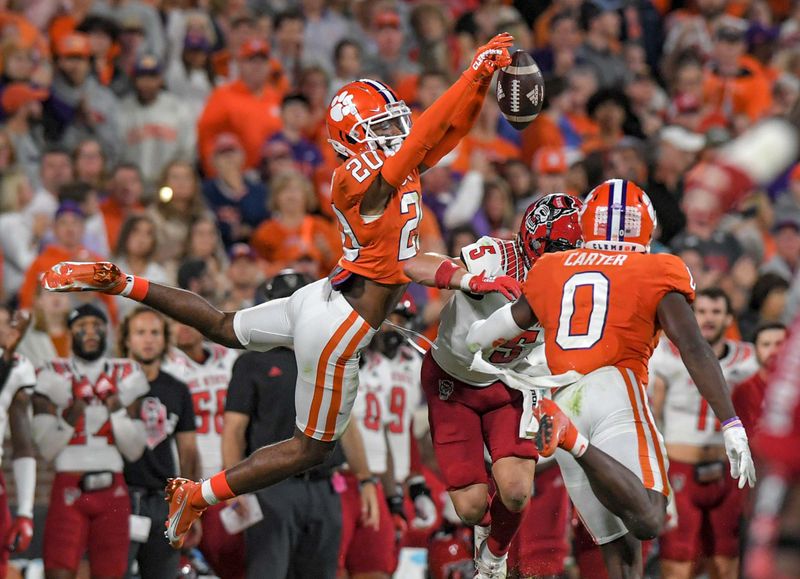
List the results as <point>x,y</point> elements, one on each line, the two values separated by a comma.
<point>708,503</point>
<point>17,378</point>
<point>389,390</point>
<point>206,368</point>
<point>468,409</point>
<point>83,409</point>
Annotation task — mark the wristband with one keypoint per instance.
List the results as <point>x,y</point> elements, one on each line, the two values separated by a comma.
<point>368,480</point>
<point>136,288</point>
<point>445,273</point>
<point>216,489</point>
<point>732,422</point>
<point>464,284</point>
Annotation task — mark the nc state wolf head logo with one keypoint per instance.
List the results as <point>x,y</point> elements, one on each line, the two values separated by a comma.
<point>342,105</point>
<point>445,389</point>
<point>551,211</point>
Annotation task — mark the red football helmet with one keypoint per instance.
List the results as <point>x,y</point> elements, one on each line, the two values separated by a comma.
<point>550,224</point>
<point>449,557</point>
<point>357,109</point>
<point>618,216</point>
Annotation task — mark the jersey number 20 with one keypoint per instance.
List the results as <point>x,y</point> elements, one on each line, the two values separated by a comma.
<point>568,337</point>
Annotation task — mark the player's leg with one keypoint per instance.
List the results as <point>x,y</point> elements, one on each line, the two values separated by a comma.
<point>66,528</point>
<point>681,546</point>
<point>371,553</point>
<point>725,525</point>
<point>109,535</point>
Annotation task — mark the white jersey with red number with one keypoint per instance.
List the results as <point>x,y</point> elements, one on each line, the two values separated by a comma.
<point>688,419</point>
<point>21,377</point>
<point>208,383</point>
<point>495,257</point>
<point>388,393</point>
<point>92,446</point>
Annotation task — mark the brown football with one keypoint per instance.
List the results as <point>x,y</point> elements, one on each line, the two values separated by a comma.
<point>520,90</point>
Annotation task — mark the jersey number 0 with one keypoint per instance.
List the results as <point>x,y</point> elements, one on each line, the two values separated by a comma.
<point>567,337</point>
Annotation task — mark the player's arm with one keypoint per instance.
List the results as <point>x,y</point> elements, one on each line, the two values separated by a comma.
<point>356,454</point>
<point>188,454</point>
<point>680,326</point>
<point>181,305</point>
<point>234,429</point>
<point>130,435</point>
<point>24,466</point>
<point>19,324</point>
<point>51,432</point>
<point>658,394</point>
<point>444,272</point>
<point>503,325</point>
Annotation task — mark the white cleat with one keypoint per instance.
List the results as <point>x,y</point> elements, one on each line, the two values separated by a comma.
<point>487,566</point>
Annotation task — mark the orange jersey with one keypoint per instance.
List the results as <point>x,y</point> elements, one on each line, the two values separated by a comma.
<point>598,308</point>
<point>376,248</point>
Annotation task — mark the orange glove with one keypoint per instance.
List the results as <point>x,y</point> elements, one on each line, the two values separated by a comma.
<point>490,57</point>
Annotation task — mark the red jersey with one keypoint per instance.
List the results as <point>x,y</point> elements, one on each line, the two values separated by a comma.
<point>598,308</point>
<point>375,247</point>
<point>748,401</point>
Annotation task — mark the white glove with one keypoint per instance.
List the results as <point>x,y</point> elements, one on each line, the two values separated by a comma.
<point>738,451</point>
<point>424,507</point>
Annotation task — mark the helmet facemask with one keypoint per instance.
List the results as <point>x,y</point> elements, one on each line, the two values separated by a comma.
<point>396,113</point>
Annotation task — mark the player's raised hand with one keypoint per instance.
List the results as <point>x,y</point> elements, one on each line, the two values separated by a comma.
<point>491,56</point>
<point>484,284</point>
<point>738,451</point>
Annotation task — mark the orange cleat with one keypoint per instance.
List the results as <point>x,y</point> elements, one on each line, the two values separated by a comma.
<point>182,495</point>
<point>556,430</point>
<point>75,276</point>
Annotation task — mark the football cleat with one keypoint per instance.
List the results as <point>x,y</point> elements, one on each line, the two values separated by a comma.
<point>555,429</point>
<point>489,566</point>
<point>180,494</point>
<point>75,276</point>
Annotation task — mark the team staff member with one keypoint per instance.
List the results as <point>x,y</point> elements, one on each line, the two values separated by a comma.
<point>302,510</point>
<point>83,420</point>
<point>168,418</point>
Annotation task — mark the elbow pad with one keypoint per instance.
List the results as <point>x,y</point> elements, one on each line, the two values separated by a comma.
<point>129,435</point>
<point>51,434</point>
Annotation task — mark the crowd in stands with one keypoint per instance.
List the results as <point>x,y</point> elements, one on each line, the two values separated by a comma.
<point>185,140</point>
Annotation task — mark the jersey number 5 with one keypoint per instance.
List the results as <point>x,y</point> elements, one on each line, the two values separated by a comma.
<point>570,338</point>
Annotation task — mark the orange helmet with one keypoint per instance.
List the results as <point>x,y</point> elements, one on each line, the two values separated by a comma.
<point>618,216</point>
<point>355,112</point>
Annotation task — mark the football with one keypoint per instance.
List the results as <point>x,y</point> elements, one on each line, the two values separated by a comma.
<point>520,90</point>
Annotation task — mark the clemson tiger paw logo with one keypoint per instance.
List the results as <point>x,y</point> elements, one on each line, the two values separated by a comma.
<point>341,106</point>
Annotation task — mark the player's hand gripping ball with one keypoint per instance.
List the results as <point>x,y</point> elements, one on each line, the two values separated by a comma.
<point>520,90</point>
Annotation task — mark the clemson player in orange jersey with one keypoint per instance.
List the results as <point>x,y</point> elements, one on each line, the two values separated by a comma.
<point>601,307</point>
<point>376,198</point>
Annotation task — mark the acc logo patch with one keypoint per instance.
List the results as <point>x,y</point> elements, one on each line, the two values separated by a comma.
<point>445,389</point>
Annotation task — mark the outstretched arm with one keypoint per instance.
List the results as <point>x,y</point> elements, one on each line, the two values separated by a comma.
<point>679,324</point>
<point>503,325</point>
<point>444,272</point>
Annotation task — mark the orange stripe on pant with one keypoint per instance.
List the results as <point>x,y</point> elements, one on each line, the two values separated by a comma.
<point>656,446</point>
<point>338,381</point>
<point>644,455</point>
<point>322,364</point>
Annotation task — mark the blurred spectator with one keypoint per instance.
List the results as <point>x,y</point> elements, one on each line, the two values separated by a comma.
<point>788,204</point>
<point>193,275</point>
<point>240,28</point>
<point>17,63</point>
<point>766,305</point>
<point>125,191</point>
<point>68,229</point>
<point>557,57</point>
<point>154,124</point>
<point>248,107</point>
<point>21,230</point>
<point>454,202</point>
<point>690,30</point>
<point>22,105</point>
<point>498,208</point>
<point>55,170</point>
<point>520,180</point>
<point>324,28</point>
<point>180,202</point>
<point>203,243</point>
<point>347,61</point>
<point>238,200</point>
<point>786,261</point>
<point>168,416</point>
<point>288,42</point>
<point>459,238</point>
<point>79,106</point>
<point>244,274</point>
<point>293,232</point>
<point>87,197</point>
<point>48,336</point>
<point>735,84</point>
<point>89,163</point>
<point>390,63</point>
<point>8,157</point>
<point>600,49</point>
<point>435,50</point>
<point>136,252</point>
<point>190,76</point>
<point>125,11</point>
<point>296,119</point>
<point>550,169</point>
<point>610,110</point>
<point>103,33</point>
<point>484,139</point>
<point>431,84</point>
<point>313,84</point>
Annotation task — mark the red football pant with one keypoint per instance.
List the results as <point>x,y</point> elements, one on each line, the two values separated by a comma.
<point>363,549</point>
<point>5,525</point>
<point>223,551</point>
<point>464,417</point>
<point>541,545</point>
<point>94,522</point>
<point>709,516</point>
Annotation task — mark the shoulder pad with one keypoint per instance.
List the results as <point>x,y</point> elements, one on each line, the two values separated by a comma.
<point>485,255</point>
<point>53,384</point>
